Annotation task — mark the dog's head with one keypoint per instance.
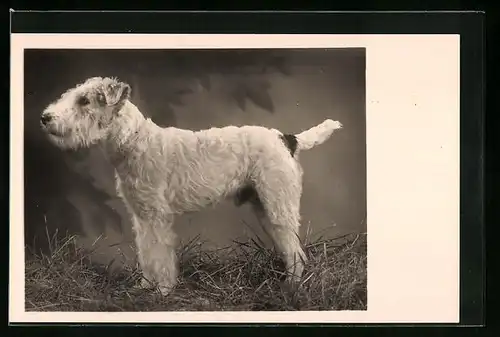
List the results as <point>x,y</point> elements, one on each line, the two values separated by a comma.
<point>83,115</point>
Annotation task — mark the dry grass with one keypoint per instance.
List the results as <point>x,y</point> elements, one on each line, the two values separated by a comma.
<point>245,276</point>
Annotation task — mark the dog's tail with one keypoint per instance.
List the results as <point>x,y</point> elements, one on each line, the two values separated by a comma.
<point>316,135</point>
<point>308,139</point>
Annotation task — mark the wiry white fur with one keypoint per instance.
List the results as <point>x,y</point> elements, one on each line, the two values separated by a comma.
<point>317,135</point>
<point>164,172</point>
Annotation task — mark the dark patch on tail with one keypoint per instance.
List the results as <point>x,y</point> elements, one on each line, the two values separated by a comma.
<point>290,142</point>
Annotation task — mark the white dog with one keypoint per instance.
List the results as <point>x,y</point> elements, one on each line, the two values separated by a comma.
<point>164,172</point>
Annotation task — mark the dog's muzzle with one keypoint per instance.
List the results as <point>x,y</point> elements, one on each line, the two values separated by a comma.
<point>45,120</point>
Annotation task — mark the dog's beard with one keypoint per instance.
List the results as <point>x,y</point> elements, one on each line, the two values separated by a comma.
<point>68,139</point>
<point>65,141</point>
<point>62,141</point>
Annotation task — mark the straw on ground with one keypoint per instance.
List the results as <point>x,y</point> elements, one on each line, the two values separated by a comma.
<point>244,276</point>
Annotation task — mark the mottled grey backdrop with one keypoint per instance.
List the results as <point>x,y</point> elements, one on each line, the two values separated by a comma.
<point>290,90</point>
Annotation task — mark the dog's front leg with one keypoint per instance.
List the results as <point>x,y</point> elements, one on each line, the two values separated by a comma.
<point>156,241</point>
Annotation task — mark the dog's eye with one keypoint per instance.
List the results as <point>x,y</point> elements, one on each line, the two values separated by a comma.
<point>101,99</point>
<point>82,100</point>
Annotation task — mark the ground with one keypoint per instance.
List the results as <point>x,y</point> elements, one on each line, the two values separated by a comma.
<point>244,276</point>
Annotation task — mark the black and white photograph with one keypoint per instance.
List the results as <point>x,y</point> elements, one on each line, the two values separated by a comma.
<point>195,179</point>
<point>236,178</point>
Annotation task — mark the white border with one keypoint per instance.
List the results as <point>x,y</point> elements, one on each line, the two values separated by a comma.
<point>412,162</point>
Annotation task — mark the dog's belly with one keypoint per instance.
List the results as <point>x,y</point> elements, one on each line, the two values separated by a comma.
<point>191,191</point>
<point>246,193</point>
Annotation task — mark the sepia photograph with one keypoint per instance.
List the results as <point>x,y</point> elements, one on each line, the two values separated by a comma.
<point>195,179</point>
<point>235,178</point>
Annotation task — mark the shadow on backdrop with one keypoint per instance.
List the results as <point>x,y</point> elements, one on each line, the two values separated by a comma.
<point>291,90</point>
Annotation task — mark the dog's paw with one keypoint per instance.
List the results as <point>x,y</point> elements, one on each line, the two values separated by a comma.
<point>144,285</point>
<point>165,290</point>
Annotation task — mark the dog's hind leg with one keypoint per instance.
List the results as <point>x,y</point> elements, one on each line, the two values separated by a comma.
<point>281,205</point>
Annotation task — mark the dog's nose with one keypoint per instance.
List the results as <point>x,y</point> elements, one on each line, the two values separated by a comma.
<point>45,118</point>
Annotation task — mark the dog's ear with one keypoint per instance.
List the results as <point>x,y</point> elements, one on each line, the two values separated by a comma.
<point>116,93</point>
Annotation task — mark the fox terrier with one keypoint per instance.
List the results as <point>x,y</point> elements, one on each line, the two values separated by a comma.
<point>164,172</point>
